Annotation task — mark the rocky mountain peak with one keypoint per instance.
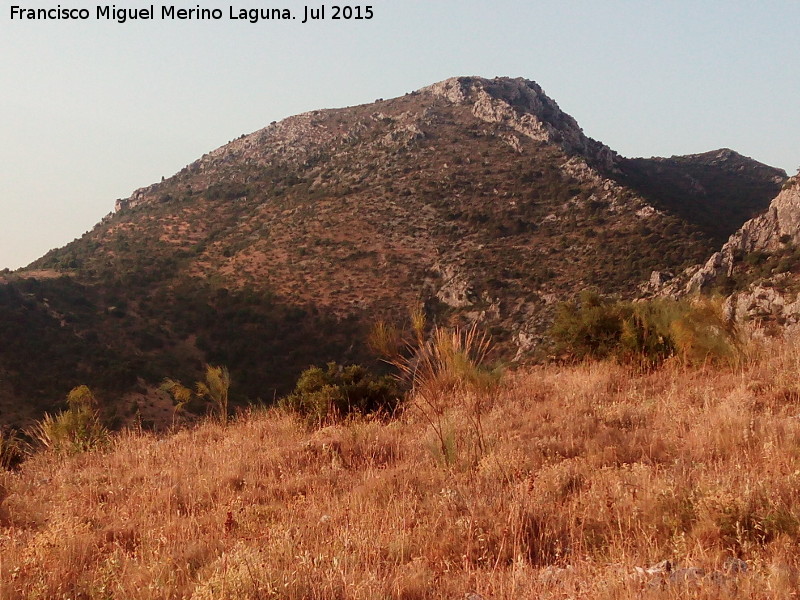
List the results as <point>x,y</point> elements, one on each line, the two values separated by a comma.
<point>732,161</point>
<point>518,108</point>
<point>522,105</point>
<point>522,93</point>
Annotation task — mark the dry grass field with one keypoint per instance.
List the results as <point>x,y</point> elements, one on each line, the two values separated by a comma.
<point>558,485</point>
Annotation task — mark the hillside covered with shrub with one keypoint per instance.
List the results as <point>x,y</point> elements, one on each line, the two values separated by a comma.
<point>478,198</point>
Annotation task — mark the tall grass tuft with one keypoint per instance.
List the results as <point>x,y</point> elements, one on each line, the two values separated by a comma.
<point>450,363</point>
<point>385,339</point>
<point>13,448</point>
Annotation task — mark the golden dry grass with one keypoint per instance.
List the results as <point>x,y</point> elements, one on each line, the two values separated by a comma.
<point>587,472</point>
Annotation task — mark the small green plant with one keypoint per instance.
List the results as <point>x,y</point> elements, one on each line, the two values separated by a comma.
<point>77,429</point>
<point>181,396</point>
<point>590,327</point>
<point>214,389</point>
<point>324,395</point>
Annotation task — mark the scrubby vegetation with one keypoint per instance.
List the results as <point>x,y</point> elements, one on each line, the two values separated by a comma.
<point>448,479</point>
<point>647,332</point>
<point>77,429</point>
<point>269,260</point>
<point>329,395</point>
<point>213,390</point>
<point>586,473</point>
<point>676,185</point>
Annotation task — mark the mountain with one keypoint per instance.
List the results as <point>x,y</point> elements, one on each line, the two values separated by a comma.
<point>479,199</point>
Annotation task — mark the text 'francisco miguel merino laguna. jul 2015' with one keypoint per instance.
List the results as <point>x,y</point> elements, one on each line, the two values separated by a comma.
<point>111,12</point>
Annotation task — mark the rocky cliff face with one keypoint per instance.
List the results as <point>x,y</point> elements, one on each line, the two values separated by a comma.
<point>768,233</point>
<point>527,110</point>
<point>758,267</point>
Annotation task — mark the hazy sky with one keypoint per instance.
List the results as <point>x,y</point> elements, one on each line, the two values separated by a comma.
<point>91,110</point>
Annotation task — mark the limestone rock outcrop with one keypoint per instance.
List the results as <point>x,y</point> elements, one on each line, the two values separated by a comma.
<point>769,232</point>
<point>522,105</point>
<point>762,294</point>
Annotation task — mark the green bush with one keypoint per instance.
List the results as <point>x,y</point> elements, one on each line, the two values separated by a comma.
<point>77,429</point>
<point>328,395</point>
<point>214,389</point>
<point>647,331</point>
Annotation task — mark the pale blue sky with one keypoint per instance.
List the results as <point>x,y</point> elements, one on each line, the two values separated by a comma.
<point>89,111</point>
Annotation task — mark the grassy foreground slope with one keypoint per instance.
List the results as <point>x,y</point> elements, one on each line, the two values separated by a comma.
<point>587,472</point>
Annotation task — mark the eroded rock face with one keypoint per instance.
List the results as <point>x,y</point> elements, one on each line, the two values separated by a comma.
<point>455,289</point>
<point>522,105</point>
<point>778,226</point>
<point>767,298</point>
<point>769,232</point>
<point>138,197</point>
<point>764,301</point>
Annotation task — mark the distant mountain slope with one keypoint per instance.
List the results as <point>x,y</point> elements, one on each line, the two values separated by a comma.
<point>479,198</point>
<point>714,190</point>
